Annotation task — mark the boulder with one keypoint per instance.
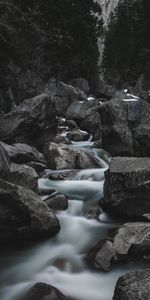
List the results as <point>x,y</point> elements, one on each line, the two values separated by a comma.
<point>62,95</point>
<point>78,135</point>
<point>126,126</point>
<point>22,153</point>
<point>43,291</point>
<point>24,175</point>
<point>32,122</point>
<point>57,202</point>
<point>132,241</point>
<point>116,135</point>
<point>86,115</point>
<point>127,187</point>
<point>37,166</point>
<point>4,162</point>
<point>134,285</point>
<point>100,256</point>
<point>23,216</point>
<point>61,139</point>
<point>62,156</point>
<point>80,83</point>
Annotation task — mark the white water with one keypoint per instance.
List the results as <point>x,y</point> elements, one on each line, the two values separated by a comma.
<point>59,261</point>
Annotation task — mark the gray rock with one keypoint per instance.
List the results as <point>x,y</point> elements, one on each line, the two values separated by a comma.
<point>22,153</point>
<point>133,286</point>
<point>132,241</point>
<point>37,166</point>
<point>127,187</point>
<point>43,291</point>
<point>65,157</point>
<point>57,202</point>
<point>4,162</point>
<point>32,122</point>
<point>23,216</point>
<point>24,175</point>
<point>62,95</point>
<point>92,124</point>
<point>61,139</point>
<point>78,135</point>
<point>116,135</point>
<point>100,256</point>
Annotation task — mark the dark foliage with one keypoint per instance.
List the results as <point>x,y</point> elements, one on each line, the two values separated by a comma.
<point>46,38</point>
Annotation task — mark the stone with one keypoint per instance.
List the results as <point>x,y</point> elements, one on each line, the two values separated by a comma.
<point>4,162</point>
<point>62,95</point>
<point>92,124</point>
<point>32,122</point>
<point>24,175</point>
<point>134,285</point>
<point>57,202</point>
<point>62,156</point>
<point>43,291</point>
<point>24,218</point>
<point>21,153</point>
<point>78,135</point>
<point>127,187</point>
<point>132,241</point>
<point>100,256</point>
<point>116,135</point>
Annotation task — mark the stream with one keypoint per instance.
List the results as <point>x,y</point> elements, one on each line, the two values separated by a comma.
<point>59,261</point>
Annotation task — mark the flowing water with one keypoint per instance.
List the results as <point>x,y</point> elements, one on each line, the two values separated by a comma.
<point>59,261</point>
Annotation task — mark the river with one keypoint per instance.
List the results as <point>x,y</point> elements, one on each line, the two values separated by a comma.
<point>59,261</point>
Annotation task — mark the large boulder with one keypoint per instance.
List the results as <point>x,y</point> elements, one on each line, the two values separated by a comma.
<point>86,115</point>
<point>43,291</point>
<point>24,175</point>
<point>65,157</point>
<point>62,95</point>
<point>116,135</point>
<point>22,153</point>
<point>23,216</point>
<point>127,187</point>
<point>126,126</point>
<point>32,122</point>
<point>57,202</point>
<point>134,285</point>
<point>4,162</point>
<point>130,243</point>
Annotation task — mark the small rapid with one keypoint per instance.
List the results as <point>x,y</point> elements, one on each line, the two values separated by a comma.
<point>59,261</point>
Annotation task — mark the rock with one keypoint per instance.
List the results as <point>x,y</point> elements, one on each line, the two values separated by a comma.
<point>80,83</point>
<point>134,285</point>
<point>71,124</point>
<point>23,216</point>
<point>62,95</point>
<point>58,202</point>
<point>126,126</point>
<point>127,187</point>
<point>43,291</point>
<point>132,241</point>
<point>37,166</point>
<point>104,90</point>
<point>61,139</point>
<point>78,135</point>
<point>99,257</point>
<point>22,153</point>
<point>86,115</point>
<point>24,175</point>
<point>32,122</point>
<point>4,162</point>
<point>116,135</point>
<point>92,124</point>
<point>61,175</point>
<point>62,156</point>
<point>78,111</point>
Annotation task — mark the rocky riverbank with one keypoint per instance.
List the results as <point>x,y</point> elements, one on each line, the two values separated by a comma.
<point>50,156</point>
